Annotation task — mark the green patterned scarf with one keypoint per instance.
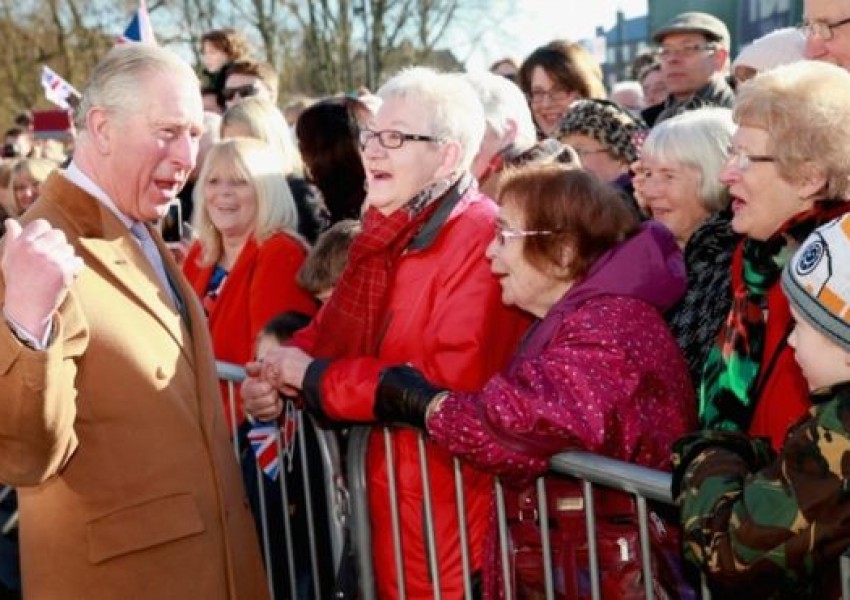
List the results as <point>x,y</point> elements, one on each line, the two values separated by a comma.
<point>728,390</point>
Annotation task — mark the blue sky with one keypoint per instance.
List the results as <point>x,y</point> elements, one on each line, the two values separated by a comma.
<point>526,24</point>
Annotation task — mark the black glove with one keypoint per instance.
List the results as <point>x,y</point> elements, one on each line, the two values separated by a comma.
<point>403,396</point>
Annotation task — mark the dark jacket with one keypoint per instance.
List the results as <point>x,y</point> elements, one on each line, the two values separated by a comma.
<point>716,92</point>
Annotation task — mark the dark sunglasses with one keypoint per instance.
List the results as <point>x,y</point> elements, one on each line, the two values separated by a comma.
<point>243,91</point>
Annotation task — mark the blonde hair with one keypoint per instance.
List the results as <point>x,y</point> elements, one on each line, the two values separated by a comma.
<point>252,160</point>
<point>36,168</point>
<point>803,107</point>
<point>264,121</point>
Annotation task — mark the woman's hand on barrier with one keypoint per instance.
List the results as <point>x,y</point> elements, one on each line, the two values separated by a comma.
<point>260,399</point>
<point>285,367</point>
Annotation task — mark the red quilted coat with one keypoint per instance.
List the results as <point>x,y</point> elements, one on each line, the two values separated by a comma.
<point>259,286</point>
<point>446,318</point>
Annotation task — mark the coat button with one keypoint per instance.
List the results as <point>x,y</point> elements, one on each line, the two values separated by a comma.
<point>160,373</point>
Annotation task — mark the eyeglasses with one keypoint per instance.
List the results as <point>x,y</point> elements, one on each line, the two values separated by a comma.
<point>392,139</point>
<point>743,161</point>
<point>821,29</point>
<point>503,234</point>
<point>685,50</point>
<point>243,91</point>
<point>555,94</point>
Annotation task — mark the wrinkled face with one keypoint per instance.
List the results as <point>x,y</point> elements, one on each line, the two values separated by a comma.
<point>823,362</point>
<point>761,200</point>
<point>523,284</point>
<point>671,195</point>
<point>688,63</point>
<point>213,58</point>
<point>654,88</point>
<point>837,49</point>
<point>549,101</point>
<point>25,189</point>
<point>230,201</point>
<point>148,152</point>
<point>595,157</point>
<point>395,175</point>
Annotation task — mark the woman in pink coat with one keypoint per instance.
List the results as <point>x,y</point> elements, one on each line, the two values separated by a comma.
<point>599,371</point>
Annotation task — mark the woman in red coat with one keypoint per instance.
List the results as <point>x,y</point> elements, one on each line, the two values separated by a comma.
<point>417,289</point>
<point>244,263</point>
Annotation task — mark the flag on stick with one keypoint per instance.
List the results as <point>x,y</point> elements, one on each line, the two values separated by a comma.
<point>57,90</point>
<point>139,30</point>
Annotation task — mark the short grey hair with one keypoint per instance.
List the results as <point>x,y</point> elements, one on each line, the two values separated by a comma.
<point>699,139</point>
<point>116,80</point>
<point>454,111</point>
<point>502,100</point>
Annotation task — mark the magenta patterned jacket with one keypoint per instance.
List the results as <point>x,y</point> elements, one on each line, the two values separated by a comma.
<point>601,372</point>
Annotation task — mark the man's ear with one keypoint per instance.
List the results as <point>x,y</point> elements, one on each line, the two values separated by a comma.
<point>721,57</point>
<point>100,129</point>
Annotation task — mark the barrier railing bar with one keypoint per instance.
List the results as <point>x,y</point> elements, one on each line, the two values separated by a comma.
<point>464,539</point>
<point>545,541</point>
<point>264,519</point>
<point>428,507</point>
<point>628,477</point>
<point>502,521</point>
<point>301,436</point>
<point>645,556</point>
<point>592,548</point>
<point>394,516</point>
<point>361,533</point>
<point>287,521</point>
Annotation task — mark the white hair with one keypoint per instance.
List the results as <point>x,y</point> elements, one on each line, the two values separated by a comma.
<point>454,110</point>
<point>502,101</point>
<point>117,80</point>
<point>700,139</point>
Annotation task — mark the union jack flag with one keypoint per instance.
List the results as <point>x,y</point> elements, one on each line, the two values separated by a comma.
<point>267,437</point>
<point>57,90</point>
<point>264,439</point>
<point>139,29</point>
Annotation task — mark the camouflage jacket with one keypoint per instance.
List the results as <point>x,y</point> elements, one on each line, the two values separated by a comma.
<point>771,527</point>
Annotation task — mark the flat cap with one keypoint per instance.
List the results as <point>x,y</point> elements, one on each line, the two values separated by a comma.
<point>695,22</point>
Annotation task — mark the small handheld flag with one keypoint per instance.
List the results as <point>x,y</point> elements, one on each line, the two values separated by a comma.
<point>57,90</point>
<point>139,29</point>
<point>263,438</point>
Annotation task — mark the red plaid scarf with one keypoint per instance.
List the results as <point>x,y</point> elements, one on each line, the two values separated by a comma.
<point>354,319</point>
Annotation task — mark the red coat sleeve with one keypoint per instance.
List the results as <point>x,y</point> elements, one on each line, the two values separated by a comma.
<point>273,288</point>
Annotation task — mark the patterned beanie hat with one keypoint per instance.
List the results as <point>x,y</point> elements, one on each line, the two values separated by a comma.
<point>607,122</point>
<point>817,280</point>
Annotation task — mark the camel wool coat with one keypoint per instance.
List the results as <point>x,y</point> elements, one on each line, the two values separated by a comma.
<point>114,435</point>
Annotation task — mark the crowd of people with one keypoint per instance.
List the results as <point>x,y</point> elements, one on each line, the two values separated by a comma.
<point>497,267</point>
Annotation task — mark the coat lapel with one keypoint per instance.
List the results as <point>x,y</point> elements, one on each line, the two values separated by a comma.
<point>109,248</point>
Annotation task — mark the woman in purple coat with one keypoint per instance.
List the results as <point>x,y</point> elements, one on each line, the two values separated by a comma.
<point>599,371</point>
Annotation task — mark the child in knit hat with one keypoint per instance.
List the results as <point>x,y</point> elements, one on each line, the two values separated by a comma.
<point>776,526</point>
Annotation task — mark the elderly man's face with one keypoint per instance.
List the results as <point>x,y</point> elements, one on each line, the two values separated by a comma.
<point>152,149</point>
<point>835,50</point>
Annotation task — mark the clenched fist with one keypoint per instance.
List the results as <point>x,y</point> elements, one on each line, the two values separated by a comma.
<point>38,266</point>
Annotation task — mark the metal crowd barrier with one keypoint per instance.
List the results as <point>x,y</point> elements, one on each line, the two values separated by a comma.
<point>329,482</point>
<point>590,469</point>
